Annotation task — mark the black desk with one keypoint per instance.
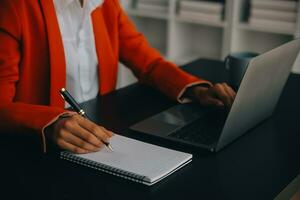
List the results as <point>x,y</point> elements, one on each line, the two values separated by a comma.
<point>257,166</point>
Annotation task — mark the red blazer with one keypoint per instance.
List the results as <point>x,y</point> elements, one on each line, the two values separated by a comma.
<point>33,69</point>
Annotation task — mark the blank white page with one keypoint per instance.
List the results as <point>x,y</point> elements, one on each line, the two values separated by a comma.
<point>140,158</point>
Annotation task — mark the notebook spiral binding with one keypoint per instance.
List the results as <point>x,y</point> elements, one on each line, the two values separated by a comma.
<point>102,167</point>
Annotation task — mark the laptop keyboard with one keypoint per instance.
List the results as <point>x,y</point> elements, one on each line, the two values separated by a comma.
<point>199,132</point>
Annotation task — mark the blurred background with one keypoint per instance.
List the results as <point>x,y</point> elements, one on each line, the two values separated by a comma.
<point>184,30</point>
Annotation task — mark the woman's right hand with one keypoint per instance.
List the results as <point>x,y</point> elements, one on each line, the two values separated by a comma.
<point>78,134</point>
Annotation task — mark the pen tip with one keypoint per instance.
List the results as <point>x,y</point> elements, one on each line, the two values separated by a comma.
<point>110,147</point>
<point>62,89</point>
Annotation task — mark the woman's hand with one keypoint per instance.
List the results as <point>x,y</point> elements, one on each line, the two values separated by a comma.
<point>219,95</point>
<point>78,134</point>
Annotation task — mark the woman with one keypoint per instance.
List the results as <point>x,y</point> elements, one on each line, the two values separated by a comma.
<point>46,45</point>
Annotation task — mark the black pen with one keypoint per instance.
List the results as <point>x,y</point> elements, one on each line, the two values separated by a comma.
<point>70,100</point>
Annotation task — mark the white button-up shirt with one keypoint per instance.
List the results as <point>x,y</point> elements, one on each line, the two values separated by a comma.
<point>79,47</point>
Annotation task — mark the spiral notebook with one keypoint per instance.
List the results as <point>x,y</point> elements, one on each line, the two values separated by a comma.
<point>133,160</point>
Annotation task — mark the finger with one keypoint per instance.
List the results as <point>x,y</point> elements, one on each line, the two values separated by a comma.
<point>230,90</point>
<point>108,132</point>
<point>222,95</point>
<point>230,93</point>
<point>233,93</point>
<point>70,147</point>
<point>210,101</point>
<point>76,141</point>
<point>82,133</point>
<point>94,129</point>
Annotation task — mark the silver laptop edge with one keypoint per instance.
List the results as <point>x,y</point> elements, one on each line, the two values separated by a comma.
<point>256,99</point>
<point>259,91</point>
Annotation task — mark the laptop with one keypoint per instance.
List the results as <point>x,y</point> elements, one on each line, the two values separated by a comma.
<point>213,128</point>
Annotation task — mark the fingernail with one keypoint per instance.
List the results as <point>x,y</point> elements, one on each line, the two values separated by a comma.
<point>110,133</point>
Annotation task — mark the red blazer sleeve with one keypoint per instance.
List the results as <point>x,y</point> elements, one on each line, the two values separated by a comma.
<point>147,63</point>
<point>16,116</point>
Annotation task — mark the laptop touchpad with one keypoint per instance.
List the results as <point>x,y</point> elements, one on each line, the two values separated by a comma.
<point>167,121</point>
<point>154,127</point>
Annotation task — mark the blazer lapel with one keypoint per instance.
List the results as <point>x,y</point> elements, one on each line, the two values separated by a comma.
<point>56,51</point>
<point>106,58</point>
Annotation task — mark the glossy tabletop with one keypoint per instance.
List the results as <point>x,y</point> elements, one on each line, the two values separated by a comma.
<point>256,166</point>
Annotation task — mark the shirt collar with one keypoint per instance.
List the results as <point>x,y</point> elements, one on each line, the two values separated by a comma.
<point>63,4</point>
<point>95,3</point>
